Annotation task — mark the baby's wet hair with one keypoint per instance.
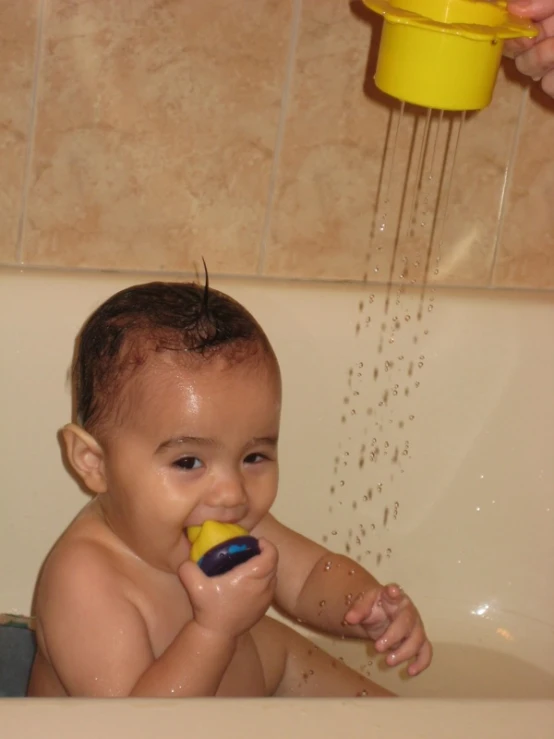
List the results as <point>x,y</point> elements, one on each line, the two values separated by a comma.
<point>192,320</point>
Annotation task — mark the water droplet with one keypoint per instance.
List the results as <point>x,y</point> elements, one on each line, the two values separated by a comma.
<point>407,317</point>
<point>430,308</point>
<point>376,269</point>
<point>389,552</point>
<point>328,566</point>
<point>341,483</point>
<point>356,392</point>
<point>420,364</point>
<point>334,532</point>
<point>372,527</point>
<point>371,298</point>
<point>360,365</point>
<point>322,604</point>
<point>353,411</point>
<point>411,417</point>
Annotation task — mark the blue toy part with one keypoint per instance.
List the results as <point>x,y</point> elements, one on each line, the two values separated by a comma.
<point>223,557</point>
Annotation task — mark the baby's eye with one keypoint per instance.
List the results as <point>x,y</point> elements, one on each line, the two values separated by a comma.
<point>188,463</point>
<point>254,458</point>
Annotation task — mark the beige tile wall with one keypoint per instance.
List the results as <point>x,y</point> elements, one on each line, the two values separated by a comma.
<point>144,135</point>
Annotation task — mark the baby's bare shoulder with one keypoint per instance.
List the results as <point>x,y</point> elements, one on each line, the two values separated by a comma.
<point>80,563</point>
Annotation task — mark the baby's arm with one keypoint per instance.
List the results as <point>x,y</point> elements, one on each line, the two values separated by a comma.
<point>97,641</point>
<point>313,584</point>
<point>334,594</point>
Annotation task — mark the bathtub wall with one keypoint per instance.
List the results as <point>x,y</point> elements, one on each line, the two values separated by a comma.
<point>429,459</point>
<point>144,135</point>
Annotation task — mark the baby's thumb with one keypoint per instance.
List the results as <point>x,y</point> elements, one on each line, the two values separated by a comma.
<point>191,575</point>
<point>358,611</point>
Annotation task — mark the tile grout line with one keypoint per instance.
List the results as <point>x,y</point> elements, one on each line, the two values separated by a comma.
<point>128,272</point>
<point>280,135</point>
<point>506,185</point>
<point>39,45</point>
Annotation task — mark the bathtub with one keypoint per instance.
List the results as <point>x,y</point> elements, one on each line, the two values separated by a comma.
<point>456,503</point>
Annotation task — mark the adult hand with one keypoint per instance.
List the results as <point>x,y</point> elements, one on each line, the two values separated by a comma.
<point>535,57</point>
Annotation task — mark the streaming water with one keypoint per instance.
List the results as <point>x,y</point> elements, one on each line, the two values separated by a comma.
<point>406,238</point>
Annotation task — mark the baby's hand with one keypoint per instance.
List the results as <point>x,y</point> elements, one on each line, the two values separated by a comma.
<point>392,621</point>
<point>234,602</point>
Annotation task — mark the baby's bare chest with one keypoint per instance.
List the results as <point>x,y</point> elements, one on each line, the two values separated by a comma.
<point>166,609</point>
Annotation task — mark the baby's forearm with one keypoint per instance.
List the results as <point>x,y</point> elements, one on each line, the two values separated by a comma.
<point>192,666</point>
<point>331,588</point>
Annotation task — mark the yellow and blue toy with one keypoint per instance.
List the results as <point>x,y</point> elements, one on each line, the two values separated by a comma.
<point>218,547</point>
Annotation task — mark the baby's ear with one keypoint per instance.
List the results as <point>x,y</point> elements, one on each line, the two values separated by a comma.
<point>86,457</point>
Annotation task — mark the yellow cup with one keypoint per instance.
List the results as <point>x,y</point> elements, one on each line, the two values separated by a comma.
<point>443,53</point>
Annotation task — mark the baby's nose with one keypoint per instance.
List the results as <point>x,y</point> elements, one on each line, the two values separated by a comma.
<point>228,492</point>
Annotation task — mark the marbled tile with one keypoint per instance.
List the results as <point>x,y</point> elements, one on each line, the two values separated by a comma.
<point>156,127</point>
<point>18,28</point>
<point>484,152</point>
<point>526,251</point>
<point>324,211</point>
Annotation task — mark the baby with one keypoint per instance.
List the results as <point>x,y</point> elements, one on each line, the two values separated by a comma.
<point>178,396</point>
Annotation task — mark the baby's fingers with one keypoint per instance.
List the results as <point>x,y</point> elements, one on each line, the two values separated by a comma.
<point>360,610</point>
<point>423,659</point>
<point>263,564</point>
<point>410,647</point>
<point>400,629</point>
<point>392,595</point>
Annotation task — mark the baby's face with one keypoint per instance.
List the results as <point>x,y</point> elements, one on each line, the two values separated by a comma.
<point>192,445</point>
